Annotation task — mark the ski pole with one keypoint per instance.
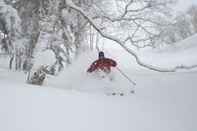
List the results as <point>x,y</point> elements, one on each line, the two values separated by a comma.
<point>121,72</point>
<point>129,79</point>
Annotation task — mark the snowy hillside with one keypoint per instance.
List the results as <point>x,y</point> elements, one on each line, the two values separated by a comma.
<point>181,53</point>
<point>76,101</point>
<point>162,102</point>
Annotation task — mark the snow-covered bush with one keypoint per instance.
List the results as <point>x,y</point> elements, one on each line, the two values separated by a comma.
<point>37,77</point>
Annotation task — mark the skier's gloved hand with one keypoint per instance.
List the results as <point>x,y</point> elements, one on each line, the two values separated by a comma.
<point>89,70</point>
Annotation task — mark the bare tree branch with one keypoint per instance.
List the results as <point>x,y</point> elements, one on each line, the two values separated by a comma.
<point>121,43</point>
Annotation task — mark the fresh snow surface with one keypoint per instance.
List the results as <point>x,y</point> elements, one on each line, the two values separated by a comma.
<point>77,101</point>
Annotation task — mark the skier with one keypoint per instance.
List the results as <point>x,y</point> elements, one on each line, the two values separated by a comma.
<point>102,64</point>
<point>102,68</point>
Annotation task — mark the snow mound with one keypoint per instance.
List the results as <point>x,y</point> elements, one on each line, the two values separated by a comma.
<point>187,44</point>
<point>181,53</point>
<point>163,102</point>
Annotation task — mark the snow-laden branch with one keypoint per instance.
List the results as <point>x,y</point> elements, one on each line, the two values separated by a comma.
<point>121,43</point>
<point>12,24</point>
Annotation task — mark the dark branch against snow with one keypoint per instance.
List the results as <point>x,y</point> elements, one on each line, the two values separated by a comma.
<point>121,43</point>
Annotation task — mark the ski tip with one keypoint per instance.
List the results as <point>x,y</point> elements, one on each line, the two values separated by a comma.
<point>132,92</point>
<point>114,94</point>
<point>121,94</point>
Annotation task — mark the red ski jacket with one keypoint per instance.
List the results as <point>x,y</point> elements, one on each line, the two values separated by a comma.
<point>104,64</point>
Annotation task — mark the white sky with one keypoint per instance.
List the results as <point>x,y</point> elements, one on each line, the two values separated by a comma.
<point>184,4</point>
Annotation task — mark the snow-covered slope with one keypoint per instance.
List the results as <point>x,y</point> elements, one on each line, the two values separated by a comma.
<point>161,103</point>
<point>185,45</point>
<point>181,53</point>
<point>76,101</point>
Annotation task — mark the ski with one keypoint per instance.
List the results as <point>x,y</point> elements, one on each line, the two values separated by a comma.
<point>120,93</point>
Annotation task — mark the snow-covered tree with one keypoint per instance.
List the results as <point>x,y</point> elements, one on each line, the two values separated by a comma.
<point>10,28</point>
<point>64,26</point>
<point>143,15</point>
<point>179,29</point>
<point>193,13</point>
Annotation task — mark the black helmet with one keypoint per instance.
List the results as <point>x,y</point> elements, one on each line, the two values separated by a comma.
<point>101,54</point>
